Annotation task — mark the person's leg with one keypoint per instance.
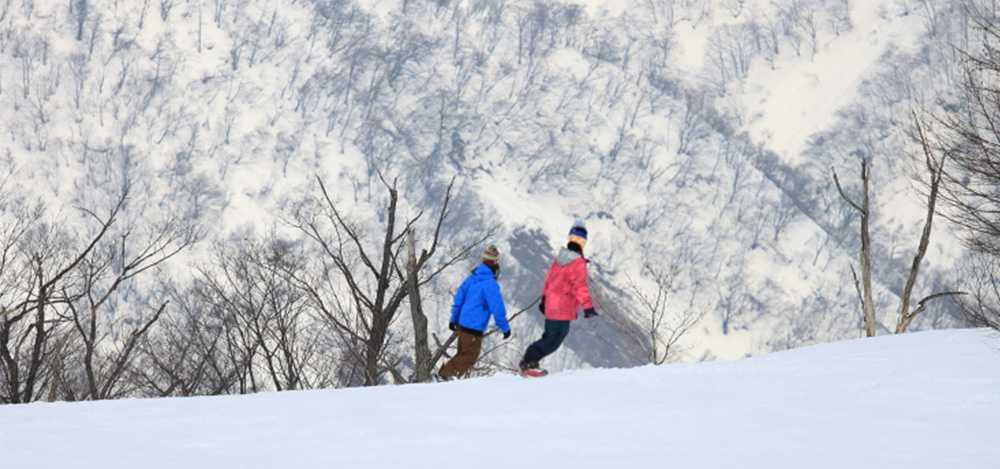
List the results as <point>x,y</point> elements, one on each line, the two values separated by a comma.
<point>469,346</point>
<point>552,338</point>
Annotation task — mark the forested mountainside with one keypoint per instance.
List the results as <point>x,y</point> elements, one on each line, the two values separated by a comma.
<point>698,139</point>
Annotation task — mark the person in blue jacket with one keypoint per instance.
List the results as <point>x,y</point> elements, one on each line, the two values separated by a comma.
<point>475,301</point>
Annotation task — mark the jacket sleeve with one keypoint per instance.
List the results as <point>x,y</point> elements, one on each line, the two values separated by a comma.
<point>545,286</point>
<point>456,306</point>
<point>578,283</point>
<point>494,302</point>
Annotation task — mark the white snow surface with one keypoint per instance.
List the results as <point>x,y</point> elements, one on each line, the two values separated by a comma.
<point>925,399</point>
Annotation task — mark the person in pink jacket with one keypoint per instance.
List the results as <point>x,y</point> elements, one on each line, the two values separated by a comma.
<point>565,291</point>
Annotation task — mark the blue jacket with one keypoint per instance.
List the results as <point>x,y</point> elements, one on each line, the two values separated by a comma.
<point>478,298</point>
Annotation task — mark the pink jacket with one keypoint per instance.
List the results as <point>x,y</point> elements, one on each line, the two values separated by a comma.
<point>565,289</point>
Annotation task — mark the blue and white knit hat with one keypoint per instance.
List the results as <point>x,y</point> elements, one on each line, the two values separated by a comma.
<point>578,233</point>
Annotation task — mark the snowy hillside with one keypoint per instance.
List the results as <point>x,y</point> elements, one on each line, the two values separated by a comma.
<point>920,400</point>
<point>696,138</point>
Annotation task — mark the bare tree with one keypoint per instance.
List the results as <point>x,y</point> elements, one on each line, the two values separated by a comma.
<point>970,136</point>
<point>38,266</point>
<point>265,318</point>
<point>654,330</point>
<point>165,7</point>
<point>52,289</point>
<point>362,302</point>
<point>33,266</point>
<point>865,287</point>
<point>934,166</point>
<point>109,345</point>
<point>982,279</point>
<point>79,9</point>
<point>662,10</point>
<point>935,169</point>
<point>421,351</point>
<point>185,356</point>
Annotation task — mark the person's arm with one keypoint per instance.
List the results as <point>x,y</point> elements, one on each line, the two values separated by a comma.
<point>545,290</point>
<point>578,284</point>
<point>494,301</point>
<point>456,306</point>
<point>545,285</point>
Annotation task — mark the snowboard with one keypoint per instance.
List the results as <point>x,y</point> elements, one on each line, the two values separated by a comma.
<point>536,373</point>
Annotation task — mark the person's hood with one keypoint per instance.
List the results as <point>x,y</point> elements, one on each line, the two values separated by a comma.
<point>566,256</point>
<point>483,271</point>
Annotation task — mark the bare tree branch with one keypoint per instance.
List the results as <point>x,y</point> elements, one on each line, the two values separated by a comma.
<point>867,301</point>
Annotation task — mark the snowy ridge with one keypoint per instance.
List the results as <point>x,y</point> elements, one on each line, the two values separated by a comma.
<point>919,400</point>
<point>699,134</point>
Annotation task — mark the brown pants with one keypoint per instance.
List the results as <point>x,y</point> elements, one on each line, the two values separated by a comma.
<point>469,346</point>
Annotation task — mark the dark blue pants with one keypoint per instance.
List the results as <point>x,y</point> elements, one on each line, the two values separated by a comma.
<point>552,338</point>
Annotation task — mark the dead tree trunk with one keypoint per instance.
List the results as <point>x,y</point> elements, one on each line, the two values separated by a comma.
<point>421,351</point>
<point>936,170</point>
<point>865,292</point>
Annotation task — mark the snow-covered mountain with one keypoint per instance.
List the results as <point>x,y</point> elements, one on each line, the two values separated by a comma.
<point>696,138</point>
<point>920,400</point>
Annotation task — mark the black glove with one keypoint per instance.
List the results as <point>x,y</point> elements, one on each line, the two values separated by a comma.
<point>506,335</point>
<point>589,313</point>
<point>541,306</point>
<point>453,326</point>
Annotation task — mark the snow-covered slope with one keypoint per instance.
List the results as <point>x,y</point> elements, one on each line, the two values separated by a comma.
<point>919,400</point>
<point>696,137</point>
